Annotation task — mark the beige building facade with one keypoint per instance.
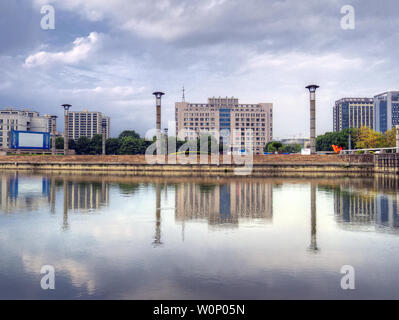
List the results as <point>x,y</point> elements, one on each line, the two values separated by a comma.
<point>221,115</point>
<point>87,124</point>
<point>21,120</point>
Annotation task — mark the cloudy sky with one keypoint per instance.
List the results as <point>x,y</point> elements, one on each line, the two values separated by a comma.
<point>110,56</point>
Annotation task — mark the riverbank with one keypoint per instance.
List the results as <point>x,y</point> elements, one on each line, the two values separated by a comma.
<point>270,165</point>
<point>280,158</point>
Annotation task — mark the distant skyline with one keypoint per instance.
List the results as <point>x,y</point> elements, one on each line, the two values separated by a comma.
<point>109,56</point>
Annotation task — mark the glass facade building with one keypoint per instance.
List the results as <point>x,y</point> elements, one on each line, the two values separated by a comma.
<point>353,113</point>
<point>386,111</point>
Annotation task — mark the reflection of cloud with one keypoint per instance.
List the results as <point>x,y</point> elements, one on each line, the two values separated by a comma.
<point>82,47</point>
<point>79,272</point>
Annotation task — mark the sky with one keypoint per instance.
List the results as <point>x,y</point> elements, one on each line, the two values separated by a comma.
<point>109,56</point>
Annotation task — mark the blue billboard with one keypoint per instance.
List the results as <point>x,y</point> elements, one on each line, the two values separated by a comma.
<point>30,140</point>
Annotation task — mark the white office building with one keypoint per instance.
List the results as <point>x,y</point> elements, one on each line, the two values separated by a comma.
<point>21,120</point>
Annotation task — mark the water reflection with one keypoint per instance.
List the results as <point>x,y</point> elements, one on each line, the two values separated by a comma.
<point>224,204</point>
<point>260,235</point>
<point>23,193</point>
<point>360,210</point>
<point>313,223</point>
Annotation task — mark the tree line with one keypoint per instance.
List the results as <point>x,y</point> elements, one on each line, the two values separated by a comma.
<point>363,138</point>
<point>127,143</point>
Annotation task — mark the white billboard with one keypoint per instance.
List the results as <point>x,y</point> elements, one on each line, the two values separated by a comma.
<point>31,140</point>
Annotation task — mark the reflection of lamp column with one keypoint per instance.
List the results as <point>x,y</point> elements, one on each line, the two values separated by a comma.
<point>52,195</point>
<point>157,238</point>
<point>65,225</point>
<point>66,133</point>
<point>312,89</point>
<point>158,96</point>
<point>53,129</point>
<point>313,239</point>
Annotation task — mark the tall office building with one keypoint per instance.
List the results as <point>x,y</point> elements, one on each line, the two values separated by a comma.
<point>21,120</point>
<point>386,111</point>
<point>87,124</point>
<point>226,114</point>
<point>353,113</point>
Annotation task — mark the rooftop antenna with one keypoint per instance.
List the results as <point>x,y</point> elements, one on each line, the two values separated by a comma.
<point>184,96</point>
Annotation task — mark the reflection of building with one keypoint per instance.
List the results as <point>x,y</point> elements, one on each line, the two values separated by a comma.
<point>23,193</point>
<point>366,210</point>
<point>87,196</point>
<point>227,203</point>
<point>226,114</point>
<point>29,193</point>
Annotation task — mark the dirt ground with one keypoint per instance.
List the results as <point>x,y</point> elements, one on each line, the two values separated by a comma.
<point>141,158</point>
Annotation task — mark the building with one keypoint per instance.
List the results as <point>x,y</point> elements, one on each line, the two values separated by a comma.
<point>87,124</point>
<point>353,113</point>
<point>386,111</point>
<point>226,115</point>
<point>21,120</point>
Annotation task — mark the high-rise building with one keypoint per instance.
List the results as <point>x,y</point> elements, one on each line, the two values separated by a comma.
<point>21,120</point>
<point>87,124</point>
<point>353,113</point>
<point>386,111</point>
<point>226,115</point>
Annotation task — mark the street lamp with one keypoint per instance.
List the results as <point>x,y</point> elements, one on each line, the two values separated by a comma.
<point>104,126</point>
<point>66,109</point>
<point>312,90</point>
<point>158,95</point>
<point>166,140</point>
<point>53,129</point>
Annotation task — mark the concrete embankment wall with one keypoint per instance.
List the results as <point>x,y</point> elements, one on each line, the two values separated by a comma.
<point>257,170</point>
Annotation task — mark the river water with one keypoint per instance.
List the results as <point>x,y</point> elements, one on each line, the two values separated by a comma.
<point>198,238</point>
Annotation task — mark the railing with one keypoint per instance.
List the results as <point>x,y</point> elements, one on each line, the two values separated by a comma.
<point>371,151</point>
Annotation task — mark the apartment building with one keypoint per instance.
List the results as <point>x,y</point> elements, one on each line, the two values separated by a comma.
<point>228,121</point>
<point>353,113</point>
<point>87,124</point>
<point>21,120</point>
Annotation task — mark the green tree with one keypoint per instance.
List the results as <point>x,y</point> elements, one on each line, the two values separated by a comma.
<point>112,145</point>
<point>368,138</point>
<point>71,144</point>
<point>96,144</point>
<point>390,138</point>
<point>326,141</point>
<point>291,148</point>
<point>273,146</point>
<point>130,145</point>
<point>129,133</point>
<point>59,143</point>
<point>83,145</point>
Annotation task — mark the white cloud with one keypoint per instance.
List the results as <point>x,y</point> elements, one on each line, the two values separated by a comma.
<point>299,60</point>
<point>120,92</point>
<point>81,50</point>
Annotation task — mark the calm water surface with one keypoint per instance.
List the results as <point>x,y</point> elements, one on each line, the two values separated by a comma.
<point>184,238</point>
